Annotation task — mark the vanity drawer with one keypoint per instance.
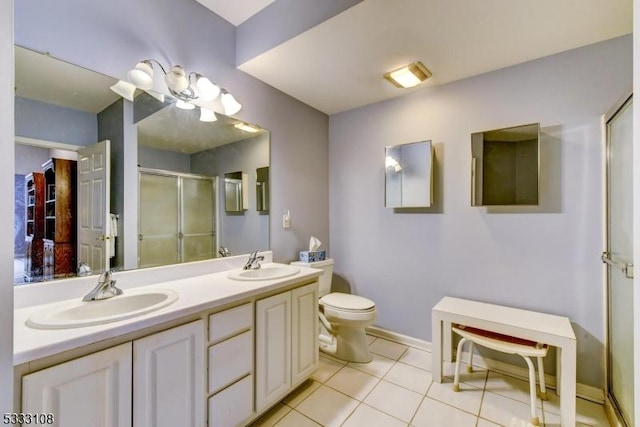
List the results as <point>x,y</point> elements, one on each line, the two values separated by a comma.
<point>230,360</point>
<point>232,405</point>
<point>229,322</point>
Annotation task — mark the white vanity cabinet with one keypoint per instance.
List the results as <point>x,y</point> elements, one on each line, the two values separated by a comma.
<point>93,390</point>
<point>231,366</point>
<point>286,342</point>
<point>169,378</point>
<point>96,390</point>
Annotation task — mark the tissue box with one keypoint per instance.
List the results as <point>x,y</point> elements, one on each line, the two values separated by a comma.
<point>313,256</point>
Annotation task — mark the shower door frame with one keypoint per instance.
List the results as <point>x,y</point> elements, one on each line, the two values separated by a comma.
<point>611,405</point>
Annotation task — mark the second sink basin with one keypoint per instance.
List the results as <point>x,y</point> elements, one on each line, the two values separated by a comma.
<point>77,313</point>
<point>266,272</point>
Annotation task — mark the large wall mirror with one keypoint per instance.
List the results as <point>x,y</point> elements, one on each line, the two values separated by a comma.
<point>505,166</point>
<point>408,175</point>
<point>175,162</point>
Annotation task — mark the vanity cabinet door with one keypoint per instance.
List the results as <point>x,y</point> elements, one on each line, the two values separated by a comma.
<point>304,333</point>
<point>93,390</point>
<point>169,378</point>
<point>273,349</point>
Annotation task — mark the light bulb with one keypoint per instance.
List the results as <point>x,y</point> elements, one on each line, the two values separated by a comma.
<point>231,106</point>
<point>208,90</point>
<point>142,75</point>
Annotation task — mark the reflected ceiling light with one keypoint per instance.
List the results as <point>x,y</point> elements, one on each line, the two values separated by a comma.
<point>409,76</point>
<point>184,105</point>
<point>392,163</point>
<point>231,106</point>
<point>246,127</point>
<point>185,87</point>
<point>207,115</point>
<point>124,89</point>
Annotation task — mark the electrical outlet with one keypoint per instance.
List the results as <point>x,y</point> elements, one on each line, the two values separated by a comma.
<point>286,220</point>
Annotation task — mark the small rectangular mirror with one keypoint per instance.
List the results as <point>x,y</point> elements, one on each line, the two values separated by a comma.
<point>262,189</point>
<point>505,166</point>
<point>235,184</point>
<point>408,175</point>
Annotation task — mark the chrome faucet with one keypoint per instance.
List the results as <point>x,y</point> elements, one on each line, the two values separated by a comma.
<point>224,251</point>
<point>254,261</point>
<point>106,288</point>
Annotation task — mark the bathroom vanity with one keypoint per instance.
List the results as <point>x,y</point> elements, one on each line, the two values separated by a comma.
<point>222,354</point>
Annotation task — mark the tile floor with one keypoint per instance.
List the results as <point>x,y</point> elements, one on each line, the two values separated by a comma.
<point>395,389</point>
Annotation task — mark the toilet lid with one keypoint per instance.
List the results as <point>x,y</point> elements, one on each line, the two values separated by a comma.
<point>342,301</point>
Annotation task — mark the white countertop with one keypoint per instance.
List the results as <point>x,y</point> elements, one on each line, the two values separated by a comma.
<point>196,294</point>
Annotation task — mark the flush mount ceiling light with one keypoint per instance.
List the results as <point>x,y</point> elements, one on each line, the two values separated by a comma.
<point>189,89</point>
<point>246,127</point>
<point>409,75</point>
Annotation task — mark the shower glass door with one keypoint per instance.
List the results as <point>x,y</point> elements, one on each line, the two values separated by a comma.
<point>619,258</point>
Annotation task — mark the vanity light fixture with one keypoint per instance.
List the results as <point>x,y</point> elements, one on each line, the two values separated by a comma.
<point>409,76</point>
<point>246,127</point>
<point>184,87</point>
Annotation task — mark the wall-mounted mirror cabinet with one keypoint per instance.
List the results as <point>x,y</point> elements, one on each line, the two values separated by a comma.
<point>505,166</point>
<point>262,189</point>
<point>235,194</point>
<point>408,175</point>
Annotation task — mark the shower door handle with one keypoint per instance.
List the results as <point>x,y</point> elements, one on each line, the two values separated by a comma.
<point>626,268</point>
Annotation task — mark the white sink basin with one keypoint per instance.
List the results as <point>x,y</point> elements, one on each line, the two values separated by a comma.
<point>267,272</point>
<point>77,313</point>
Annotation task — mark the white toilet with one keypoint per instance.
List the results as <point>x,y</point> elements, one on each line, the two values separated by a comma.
<point>343,318</point>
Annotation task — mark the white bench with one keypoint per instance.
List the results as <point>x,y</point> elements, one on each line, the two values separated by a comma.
<point>529,325</point>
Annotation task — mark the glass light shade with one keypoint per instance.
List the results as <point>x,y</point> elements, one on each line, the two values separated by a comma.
<point>207,115</point>
<point>409,76</point>
<point>142,75</point>
<point>405,77</point>
<point>231,106</point>
<point>184,105</point>
<point>208,90</point>
<point>124,89</point>
<point>176,79</point>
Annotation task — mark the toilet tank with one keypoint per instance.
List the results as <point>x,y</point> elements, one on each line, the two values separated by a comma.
<point>325,278</point>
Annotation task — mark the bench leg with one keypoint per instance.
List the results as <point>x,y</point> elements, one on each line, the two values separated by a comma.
<point>456,375</point>
<point>470,364</point>
<point>543,388</point>
<point>532,389</point>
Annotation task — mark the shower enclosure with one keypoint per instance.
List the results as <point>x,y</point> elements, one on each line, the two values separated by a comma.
<point>177,218</point>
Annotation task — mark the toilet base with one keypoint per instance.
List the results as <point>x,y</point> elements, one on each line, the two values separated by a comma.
<point>352,345</point>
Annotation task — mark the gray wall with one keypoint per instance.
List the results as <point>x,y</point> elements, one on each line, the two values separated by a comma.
<point>39,120</point>
<point>247,231</point>
<point>163,159</point>
<point>544,258</point>
<point>6,207</point>
<point>30,159</point>
<point>98,36</point>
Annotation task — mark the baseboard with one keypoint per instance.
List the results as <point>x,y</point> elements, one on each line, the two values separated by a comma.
<point>399,338</point>
<point>583,391</point>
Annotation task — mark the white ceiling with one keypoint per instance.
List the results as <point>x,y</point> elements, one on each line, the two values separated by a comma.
<point>235,11</point>
<point>338,64</point>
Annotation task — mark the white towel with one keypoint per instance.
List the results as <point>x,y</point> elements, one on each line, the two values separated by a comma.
<point>113,233</point>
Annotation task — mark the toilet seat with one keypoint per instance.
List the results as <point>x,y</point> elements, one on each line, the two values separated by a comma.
<point>347,303</point>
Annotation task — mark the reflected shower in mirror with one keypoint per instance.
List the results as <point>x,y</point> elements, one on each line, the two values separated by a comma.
<point>408,175</point>
<point>505,166</point>
<point>54,122</point>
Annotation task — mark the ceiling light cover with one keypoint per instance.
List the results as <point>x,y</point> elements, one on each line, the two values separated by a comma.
<point>124,89</point>
<point>184,105</point>
<point>176,79</point>
<point>207,115</point>
<point>409,76</point>
<point>231,106</point>
<point>208,90</point>
<point>246,127</point>
<point>142,75</point>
